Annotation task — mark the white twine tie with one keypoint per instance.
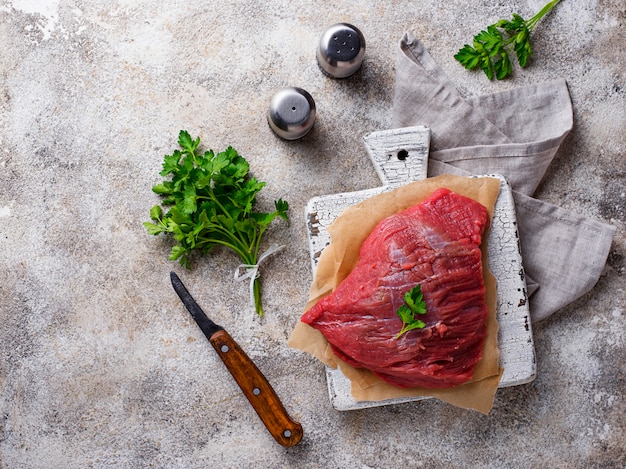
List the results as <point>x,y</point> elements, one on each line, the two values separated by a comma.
<point>252,271</point>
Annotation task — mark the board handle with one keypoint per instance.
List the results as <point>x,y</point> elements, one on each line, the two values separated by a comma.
<point>399,155</point>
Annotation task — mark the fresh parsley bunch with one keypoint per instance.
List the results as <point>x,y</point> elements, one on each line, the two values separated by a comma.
<point>491,47</point>
<point>210,202</point>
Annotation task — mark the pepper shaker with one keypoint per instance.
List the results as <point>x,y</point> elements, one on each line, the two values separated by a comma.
<point>291,113</point>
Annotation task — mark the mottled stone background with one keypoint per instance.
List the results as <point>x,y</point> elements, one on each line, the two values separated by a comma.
<point>100,366</point>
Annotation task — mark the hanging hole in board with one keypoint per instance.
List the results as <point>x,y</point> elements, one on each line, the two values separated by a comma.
<point>403,155</point>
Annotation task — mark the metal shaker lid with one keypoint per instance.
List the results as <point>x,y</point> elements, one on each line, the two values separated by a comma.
<point>341,50</point>
<point>291,113</point>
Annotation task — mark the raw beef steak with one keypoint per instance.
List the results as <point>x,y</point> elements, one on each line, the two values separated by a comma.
<point>435,244</point>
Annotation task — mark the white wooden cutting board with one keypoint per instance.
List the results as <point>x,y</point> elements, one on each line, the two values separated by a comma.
<point>400,156</point>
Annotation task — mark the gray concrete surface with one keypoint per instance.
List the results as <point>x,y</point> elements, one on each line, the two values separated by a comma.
<point>100,366</point>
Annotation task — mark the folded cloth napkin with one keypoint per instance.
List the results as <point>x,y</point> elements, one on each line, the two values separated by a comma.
<point>515,133</point>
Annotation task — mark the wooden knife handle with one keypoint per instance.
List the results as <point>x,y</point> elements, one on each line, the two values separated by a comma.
<point>257,389</point>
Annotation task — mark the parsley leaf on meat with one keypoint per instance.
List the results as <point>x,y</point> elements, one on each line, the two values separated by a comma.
<point>413,304</point>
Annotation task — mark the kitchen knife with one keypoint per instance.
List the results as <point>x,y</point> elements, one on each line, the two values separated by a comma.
<point>254,385</point>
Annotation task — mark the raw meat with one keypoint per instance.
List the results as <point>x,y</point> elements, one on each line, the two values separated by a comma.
<point>436,244</point>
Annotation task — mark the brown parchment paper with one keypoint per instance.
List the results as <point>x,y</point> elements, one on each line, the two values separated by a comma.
<point>336,261</point>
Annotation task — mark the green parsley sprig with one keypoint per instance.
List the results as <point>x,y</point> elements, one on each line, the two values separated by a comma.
<point>210,199</point>
<point>491,47</point>
<point>413,304</point>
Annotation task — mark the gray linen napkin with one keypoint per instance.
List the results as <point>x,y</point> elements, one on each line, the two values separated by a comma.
<point>515,133</point>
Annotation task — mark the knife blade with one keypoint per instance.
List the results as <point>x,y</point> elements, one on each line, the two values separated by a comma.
<point>252,382</point>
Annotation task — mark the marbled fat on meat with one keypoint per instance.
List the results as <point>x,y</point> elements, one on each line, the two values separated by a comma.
<point>435,243</point>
